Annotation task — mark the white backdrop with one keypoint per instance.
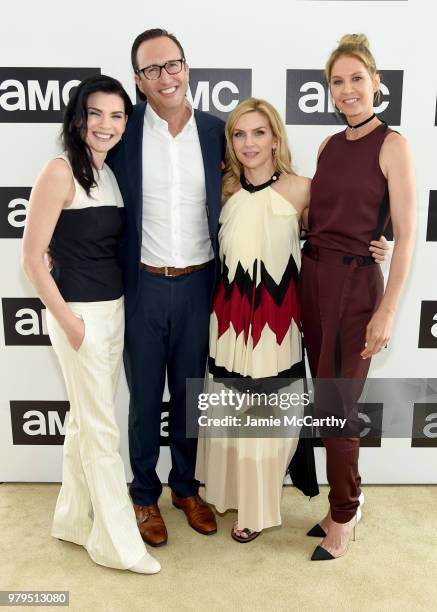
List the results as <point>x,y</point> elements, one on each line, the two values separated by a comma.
<point>267,39</point>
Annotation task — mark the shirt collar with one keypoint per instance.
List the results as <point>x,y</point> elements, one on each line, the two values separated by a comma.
<point>154,121</point>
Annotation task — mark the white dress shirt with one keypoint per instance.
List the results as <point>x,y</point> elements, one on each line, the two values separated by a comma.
<point>175,224</point>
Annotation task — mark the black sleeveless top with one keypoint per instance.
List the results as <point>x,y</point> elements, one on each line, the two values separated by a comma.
<point>84,244</point>
<point>349,203</point>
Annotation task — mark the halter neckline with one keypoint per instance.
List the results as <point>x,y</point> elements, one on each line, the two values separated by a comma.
<point>253,188</point>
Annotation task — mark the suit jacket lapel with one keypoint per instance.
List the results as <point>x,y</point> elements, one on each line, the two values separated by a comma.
<point>134,161</point>
<point>208,156</point>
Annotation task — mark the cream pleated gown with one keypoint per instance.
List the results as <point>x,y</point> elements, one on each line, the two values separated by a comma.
<point>254,333</point>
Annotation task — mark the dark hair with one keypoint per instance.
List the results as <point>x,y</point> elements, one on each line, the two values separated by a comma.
<point>150,35</point>
<point>75,121</point>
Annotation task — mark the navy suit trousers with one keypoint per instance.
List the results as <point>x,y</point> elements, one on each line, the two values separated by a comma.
<point>167,331</point>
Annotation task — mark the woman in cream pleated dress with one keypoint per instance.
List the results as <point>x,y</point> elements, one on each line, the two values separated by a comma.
<point>255,322</point>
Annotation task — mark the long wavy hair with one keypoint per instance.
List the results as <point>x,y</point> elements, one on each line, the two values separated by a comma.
<point>282,157</point>
<point>75,125</point>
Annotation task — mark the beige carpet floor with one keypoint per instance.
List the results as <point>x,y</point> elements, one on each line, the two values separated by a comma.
<point>391,566</point>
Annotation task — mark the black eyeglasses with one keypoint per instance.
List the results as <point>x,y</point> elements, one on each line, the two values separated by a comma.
<point>153,72</point>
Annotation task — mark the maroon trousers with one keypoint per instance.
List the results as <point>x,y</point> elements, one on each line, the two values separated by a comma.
<point>338,294</point>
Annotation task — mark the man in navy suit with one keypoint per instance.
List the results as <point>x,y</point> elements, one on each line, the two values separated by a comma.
<point>168,167</point>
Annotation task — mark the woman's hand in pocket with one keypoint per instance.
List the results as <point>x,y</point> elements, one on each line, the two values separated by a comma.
<point>75,332</point>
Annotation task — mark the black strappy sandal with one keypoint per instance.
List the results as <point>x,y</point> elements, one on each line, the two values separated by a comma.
<point>251,535</point>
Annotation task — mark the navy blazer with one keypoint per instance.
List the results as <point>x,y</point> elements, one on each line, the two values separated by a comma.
<point>126,163</point>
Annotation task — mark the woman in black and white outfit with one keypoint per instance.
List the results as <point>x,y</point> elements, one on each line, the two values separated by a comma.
<point>75,212</point>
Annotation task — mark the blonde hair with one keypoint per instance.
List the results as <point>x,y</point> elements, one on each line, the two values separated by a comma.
<point>353,45</point>
<point>281,159</point>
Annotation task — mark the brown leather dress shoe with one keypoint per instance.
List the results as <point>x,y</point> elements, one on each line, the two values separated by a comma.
<point>199,515</point>
<point>151,524</point>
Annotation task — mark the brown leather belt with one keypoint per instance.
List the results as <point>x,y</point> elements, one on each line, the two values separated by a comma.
<point>170,271</point>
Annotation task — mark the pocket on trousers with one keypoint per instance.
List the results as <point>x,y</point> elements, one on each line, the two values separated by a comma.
<point>80,316</point>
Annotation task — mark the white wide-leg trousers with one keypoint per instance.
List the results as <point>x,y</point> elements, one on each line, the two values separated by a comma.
<point>93,507</point>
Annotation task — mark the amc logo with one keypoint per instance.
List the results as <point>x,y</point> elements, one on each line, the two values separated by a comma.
<point>370,415</point>
<point>424,431</point>
<point>163,437</point>
<point>38,423</point>
<point>38,95</point>
<point>309,102</point>
<point>217,90</point>
<point>24,322</point>
<point>13,210</point>
<point>428,325</point>
<point>370,418</point>
<point>431,230</point>
<point>43,423</point>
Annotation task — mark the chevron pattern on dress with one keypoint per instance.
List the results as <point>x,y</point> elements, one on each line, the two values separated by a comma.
<point>248,308</point>
<point>245,281</point>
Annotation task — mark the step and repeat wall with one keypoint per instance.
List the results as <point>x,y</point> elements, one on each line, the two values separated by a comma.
<point>275,51</point>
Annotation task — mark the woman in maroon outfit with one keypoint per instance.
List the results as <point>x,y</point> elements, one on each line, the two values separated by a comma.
<point>364,176</point>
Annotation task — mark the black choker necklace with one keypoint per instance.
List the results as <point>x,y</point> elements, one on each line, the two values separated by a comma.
<point>354,127</point>
<point>252,188</point>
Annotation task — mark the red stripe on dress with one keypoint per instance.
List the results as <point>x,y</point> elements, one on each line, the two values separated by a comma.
<point>236,311</point>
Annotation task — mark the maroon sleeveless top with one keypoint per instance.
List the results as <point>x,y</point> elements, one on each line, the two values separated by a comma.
<point>349,203</point>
